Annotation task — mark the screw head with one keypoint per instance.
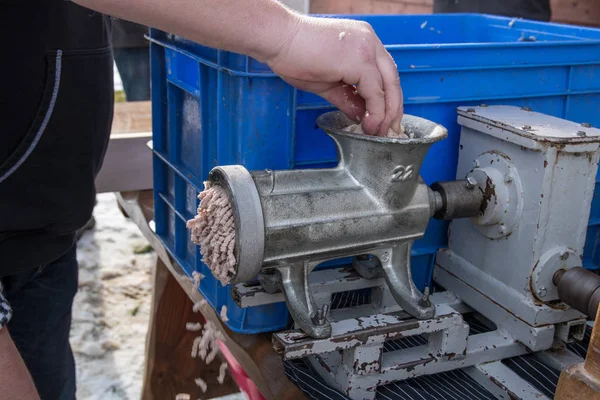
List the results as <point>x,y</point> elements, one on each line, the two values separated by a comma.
<point>385,257</point>
<point>470,110</point>
<point>526,108</point>
<point>564,255</point>
<point>471,182</point>
<point>476,164</point>
<point>508,178</point>
<point>586,125</point>
<point>526,127</point>
<point>581,134</point>
<point>502,229</point>
<point>542,291</point>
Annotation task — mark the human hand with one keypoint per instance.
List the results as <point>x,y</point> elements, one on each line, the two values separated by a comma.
<point>344,62</point>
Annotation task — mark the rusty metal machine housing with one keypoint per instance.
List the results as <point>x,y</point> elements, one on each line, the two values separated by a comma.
<point>537,174</point>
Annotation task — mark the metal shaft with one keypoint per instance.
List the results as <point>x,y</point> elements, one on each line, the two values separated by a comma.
<point>457,199</point>
<point>579,288</point>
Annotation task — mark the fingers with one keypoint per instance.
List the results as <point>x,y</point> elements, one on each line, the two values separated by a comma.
<point>370,87</point>
<point>393,92</point>
<point>347,100</point>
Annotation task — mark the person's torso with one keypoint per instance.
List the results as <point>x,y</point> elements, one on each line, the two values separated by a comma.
<point>55,113</point>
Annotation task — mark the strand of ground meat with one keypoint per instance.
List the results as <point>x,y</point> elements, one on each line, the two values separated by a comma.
<point>213,229</point>
<point>206,346</point>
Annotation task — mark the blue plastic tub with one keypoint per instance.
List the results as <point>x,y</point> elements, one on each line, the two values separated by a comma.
<point>213,107</point>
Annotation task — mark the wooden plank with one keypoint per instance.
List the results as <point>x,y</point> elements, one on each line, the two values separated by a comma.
<point>134,116</point>
<point>576,12</point>
<point>371,6</point>
<point>170,369</point>
<point>127,164</point>
<point>254,352</point>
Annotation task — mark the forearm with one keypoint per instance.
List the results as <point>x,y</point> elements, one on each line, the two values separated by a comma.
<point>259,28</point>
<point>15,381</point>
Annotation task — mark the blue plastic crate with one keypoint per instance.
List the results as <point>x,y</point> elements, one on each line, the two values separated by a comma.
<point>212,107</point>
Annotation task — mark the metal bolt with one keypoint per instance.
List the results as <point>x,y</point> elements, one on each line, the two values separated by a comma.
<point>424,301</point>
<point>526,108</point>
<point>508,178</point>
<point>586,125</point>
<point>476,164</point>
<point>564,255</point>
<point>470,110</point>
<point>502,229</point>
<point>542,291</point>
<point>581,134</point>
<point>526,127</point>
<point>471,182</point>
<point>320,317</point>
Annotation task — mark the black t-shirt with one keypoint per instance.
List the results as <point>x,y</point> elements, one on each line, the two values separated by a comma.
<point>527,9</point>
<point>56,110</point>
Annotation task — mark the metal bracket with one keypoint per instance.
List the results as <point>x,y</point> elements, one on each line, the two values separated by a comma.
<point>395,263</point>
<point>301,304</point>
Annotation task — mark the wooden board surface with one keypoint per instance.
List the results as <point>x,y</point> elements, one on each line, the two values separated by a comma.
<point>128,161</point>
<point>132,117</point>
<point>577,12</point>
<point>254,352</point>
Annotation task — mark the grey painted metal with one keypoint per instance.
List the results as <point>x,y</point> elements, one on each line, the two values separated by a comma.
<point>558,357</point>
<point>530,178</point>
<point>413,362</point>
<point>503,383</point>
<point>327,281</point>
<point>571,331</point>
<point>447,334</point>
<point>502,206</point>
<point>373,202</point>
<point>352,359</point>
<point>535,338</point>
<point>542,282</point>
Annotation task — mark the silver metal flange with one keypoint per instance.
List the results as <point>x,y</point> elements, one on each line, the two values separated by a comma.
<point>249,223</point>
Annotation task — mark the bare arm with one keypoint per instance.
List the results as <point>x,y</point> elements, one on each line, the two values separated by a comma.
<point>320,55</point>
<point>15,381</point>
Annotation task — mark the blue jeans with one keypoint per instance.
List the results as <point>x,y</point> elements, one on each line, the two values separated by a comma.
<point>42,299</point>
<point>134,67</point>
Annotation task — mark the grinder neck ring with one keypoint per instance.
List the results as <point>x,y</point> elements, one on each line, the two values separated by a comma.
<point>249,222</point>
